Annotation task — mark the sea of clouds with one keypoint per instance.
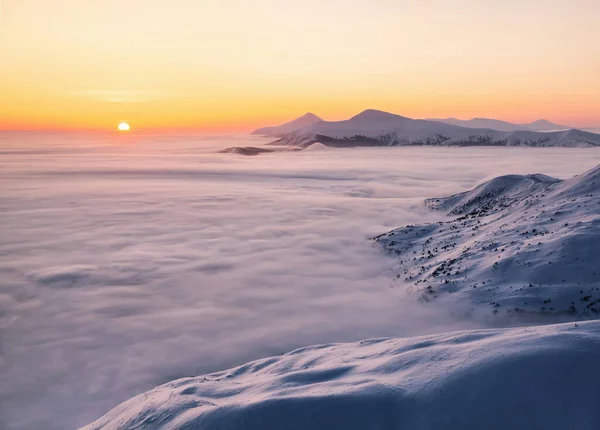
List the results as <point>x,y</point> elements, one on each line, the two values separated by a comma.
<point>129,261</point>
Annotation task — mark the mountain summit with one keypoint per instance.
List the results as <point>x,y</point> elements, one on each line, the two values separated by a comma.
<point>376,115</point>
<point>278,131</point>
<point>545,125</point>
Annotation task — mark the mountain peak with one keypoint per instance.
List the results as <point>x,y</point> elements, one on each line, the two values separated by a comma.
<point>310,116</point>
<point>303,121</point>
<point>376,115</point>
<point>542,122</point>
<point>545,125</point>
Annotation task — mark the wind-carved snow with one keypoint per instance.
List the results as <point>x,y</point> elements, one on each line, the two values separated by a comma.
<point>528,378</point>
<point>377,128</point>
<point>523,245</point>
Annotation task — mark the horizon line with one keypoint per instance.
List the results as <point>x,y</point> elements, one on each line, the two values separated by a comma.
<point>243,126</point>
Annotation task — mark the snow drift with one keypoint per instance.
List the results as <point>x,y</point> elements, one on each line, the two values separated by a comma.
<point>522,245</point>
<point>527,378</point>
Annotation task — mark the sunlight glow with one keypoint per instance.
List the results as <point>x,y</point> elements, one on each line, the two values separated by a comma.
<point>141,60</point>
<point>124,127</point>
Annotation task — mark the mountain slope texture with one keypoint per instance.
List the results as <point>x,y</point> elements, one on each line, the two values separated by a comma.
<point>528,378</point>
<point>520,245</point>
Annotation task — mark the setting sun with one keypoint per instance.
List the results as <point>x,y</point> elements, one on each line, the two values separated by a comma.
<point>124,127</point>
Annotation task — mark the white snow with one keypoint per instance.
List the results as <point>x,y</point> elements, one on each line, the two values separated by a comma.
<point>524,245</point>
<point>533,378</point>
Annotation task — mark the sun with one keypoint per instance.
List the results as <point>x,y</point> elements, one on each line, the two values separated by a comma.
<point>124,127</point>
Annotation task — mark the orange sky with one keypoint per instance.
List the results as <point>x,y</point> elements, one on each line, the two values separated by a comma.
<point>238,64</point>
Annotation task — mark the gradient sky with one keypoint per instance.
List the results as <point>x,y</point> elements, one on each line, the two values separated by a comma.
<point>237,64</point>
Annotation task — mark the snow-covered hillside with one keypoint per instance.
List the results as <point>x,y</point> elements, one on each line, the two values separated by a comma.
<point>377,128</point>
<point>280,130</point>
<point>527,378</point>
<point>521,245</point>
<point>495,124</point>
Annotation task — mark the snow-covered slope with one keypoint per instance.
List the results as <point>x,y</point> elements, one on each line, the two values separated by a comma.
<point>521,245</point>
<point>494,195</point>
<point>528,378</point>
<point>495,124</point>
<point>280,130</point>
<point>376,128</point>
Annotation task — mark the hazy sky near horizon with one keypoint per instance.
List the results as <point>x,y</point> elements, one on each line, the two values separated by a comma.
<point>233,64</point>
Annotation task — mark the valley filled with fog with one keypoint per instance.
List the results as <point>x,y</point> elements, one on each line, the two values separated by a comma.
<point>130,261</point>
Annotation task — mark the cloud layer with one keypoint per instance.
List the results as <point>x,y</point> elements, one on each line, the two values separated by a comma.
<point>124,265</point>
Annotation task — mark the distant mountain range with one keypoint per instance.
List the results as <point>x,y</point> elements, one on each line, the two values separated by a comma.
<point>378,128</point>
<point>495,124</point>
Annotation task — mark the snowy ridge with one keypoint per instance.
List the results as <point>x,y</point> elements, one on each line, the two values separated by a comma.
<point>493,195</point>
<point>451,381</point>
<point>377,128</point>
<point>523,245</point>
<point>494,124</point>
